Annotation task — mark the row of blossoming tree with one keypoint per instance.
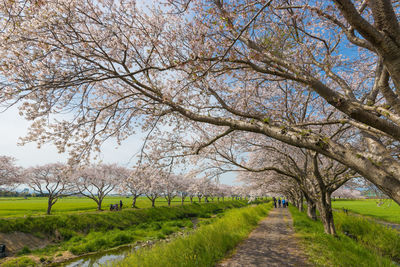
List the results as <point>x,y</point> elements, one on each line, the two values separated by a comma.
<point>322,76</point>
<point>97,181</point>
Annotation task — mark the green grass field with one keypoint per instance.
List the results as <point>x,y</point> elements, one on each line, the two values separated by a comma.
<point>19,207</point>
<point>389,211</point>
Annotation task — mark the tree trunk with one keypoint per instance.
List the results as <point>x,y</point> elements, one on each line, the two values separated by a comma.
<point>134,202</point>
<point>153,201</point>
<point>99,204</point>
<point>169,202</point>
<point>223,199</point>
<point>191,200</point>
<point>199,199</point>
<point>311,209</point>
<point>300,205</point>
<point>182,200</point>
<point>325,210</point>
<point>49,206</point>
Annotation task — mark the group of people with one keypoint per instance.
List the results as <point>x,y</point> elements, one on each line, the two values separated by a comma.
<point>278,202</point>
<point>115,207</point>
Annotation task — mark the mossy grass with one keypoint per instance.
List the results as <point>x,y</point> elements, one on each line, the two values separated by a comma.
<point>342,250</point>
<point>204,247</point>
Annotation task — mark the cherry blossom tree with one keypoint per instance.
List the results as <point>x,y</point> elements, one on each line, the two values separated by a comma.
<point>53,180</point>
<point>344,192</point>
<point>97,181</point>
<point>9,172</point>
<point>193,190</point>
<point>224,191</point>
<point>252,66</point>
<point>316,176</point>
<point>134,184</point>
<point>183,186</point>
<point>170,186</point>
<point>152,185</point>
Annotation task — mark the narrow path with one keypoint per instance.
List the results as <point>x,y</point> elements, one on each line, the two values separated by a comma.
<point>272,243</point>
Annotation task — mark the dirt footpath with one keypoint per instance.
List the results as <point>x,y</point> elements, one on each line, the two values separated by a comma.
<point>272,243</point>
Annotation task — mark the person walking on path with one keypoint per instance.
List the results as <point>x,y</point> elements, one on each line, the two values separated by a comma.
<point>274,199</point>
<point>283,203</point>
<point>120,205</point>
<point>279,202</point>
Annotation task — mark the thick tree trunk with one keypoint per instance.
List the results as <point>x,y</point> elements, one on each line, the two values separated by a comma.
<point>99,204</point>
<point>191,200</point>
<point>311,210</point>
<point>49,206</point>
<point>134,202</point>
<point>199,199</point>
<point>153,203</point>
<point>326,215</point>
<point>182,200</point>
<point>169,202</point>
<point>300,205</point>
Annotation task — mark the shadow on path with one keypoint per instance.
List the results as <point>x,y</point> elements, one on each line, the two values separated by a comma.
<point>272,243</point>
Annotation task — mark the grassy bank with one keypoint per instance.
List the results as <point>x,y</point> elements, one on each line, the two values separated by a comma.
<point>390,211</point>
<point>357,250</point>
<point>205,246</point>
<point>373,236</point>
<point>66,226</point>
<point>84,233</point>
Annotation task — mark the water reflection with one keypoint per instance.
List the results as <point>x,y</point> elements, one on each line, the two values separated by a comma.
<point>99,259</point>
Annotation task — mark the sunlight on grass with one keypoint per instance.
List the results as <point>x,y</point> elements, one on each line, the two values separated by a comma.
<point>19,207</point>
<point>369,207</point>
<point>326,250</point>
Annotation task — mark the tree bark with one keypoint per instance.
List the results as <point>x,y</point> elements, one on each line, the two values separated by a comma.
<point>99,204</point>
<point>49,206</point>
<point>325,210</point>
<point>311,210</point>
<point>134,202</point>
<point>300,205</point>
<point>153,201</point>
